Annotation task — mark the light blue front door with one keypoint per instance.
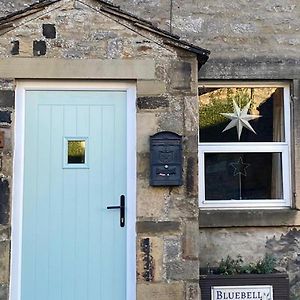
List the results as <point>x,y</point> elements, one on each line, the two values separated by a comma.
<point>73,247</point>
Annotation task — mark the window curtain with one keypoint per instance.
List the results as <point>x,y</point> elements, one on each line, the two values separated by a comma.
<point>278,136</point>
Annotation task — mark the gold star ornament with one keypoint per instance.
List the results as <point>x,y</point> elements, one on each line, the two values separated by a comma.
<point>240,118</point>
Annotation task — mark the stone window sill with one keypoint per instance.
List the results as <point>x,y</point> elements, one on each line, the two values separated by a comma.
<point>248,218</point>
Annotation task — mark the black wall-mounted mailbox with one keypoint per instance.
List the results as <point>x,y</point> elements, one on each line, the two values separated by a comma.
<point>165,159</point>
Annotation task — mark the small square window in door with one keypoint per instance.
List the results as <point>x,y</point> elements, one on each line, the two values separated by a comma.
<point>75,152</point>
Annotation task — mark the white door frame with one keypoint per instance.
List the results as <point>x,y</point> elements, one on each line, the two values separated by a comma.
<point>18,173</point>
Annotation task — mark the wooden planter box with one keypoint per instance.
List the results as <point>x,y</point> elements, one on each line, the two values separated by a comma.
<point>279,281</point>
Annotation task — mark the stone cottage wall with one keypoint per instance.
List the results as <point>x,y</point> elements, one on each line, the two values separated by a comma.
<point>239,33</point>
<point>248,40</point>
<point>167,217</point>
<point>256,39</point>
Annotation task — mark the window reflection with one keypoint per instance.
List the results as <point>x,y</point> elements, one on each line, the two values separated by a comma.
<point>243,176</point>
<point>76,152</point>
<point>266,102</point>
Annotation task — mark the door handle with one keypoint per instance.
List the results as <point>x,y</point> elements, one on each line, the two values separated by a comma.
<point>122,210</point>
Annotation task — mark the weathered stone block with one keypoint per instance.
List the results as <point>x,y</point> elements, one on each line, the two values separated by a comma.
<point>161,291</point>
<point>152,102</point>
<point>49,31</point>
<point>191,143</point>
<point>4,202</point>
<point>149,259</point>
<point>182,270</point>
<point>7,99</point>
<point>172,121</point>
<point>286,251</point>
<point>151,201</point>
<point>157,227</point>
<point>191,176</point>
<point>4,233</point>
<point>150,88</point>
<point>104,35</point>
<point>172,249</point>
<point>191,240</point>
<point>6,159</point>
<point>39,48</point>
<point>5,117</point>
<point>183,207</point>
<point>191,115</point>
<point>192,291</point>
<point>4,262</point>
<point>143,166</point>
<point>250,242</point>
<point>7,84</point>
<point>15,50</point>
<point>147,124</point>
<point>3,291</point>
<point>115,48</point>
<point>181,75</point>
<point>26,47</point>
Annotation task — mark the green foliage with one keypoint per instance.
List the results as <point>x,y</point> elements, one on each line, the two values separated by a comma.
<point>231,266</point>
<point>266,265</point>
<point>76,151</point>
<point>221,101</point>
<point>76,148</point>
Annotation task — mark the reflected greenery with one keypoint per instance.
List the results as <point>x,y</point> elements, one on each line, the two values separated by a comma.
<point>76,152</point>
<point>221,101</point>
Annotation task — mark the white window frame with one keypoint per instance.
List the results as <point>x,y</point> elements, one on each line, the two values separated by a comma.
<point>240,147</point>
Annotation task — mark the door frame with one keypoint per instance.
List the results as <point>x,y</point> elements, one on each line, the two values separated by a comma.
<point>18,173</point>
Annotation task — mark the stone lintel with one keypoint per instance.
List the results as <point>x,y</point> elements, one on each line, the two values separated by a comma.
<point>249,218</point>
<point>264,68</point>
<point>51,68</point>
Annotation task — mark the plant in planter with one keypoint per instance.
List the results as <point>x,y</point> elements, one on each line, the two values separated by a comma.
<point>231,266</point>
<point>235,273</point>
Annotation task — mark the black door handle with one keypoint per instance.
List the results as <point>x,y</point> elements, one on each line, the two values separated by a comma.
<point>122,210</point>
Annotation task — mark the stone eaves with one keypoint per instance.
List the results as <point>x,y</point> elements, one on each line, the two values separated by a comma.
<point>167,37</point>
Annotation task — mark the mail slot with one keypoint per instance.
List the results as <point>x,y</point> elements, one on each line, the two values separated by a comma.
<point>165,159</point>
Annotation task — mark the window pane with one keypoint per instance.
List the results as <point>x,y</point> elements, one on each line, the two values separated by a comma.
<point>243,176</point>
<point>241,114</point>
<point>76,152</point>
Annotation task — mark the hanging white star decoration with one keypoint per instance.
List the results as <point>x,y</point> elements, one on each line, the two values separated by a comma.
<point>240,118</point>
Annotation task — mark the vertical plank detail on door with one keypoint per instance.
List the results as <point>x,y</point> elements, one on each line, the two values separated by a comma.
<point>55,212</point>
<point>82,214</point>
